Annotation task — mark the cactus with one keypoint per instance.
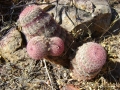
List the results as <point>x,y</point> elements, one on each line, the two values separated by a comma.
<point>64,58</point>
<point>37,47</point>
<point>56,46</point>
<point>34,22</point>
<point>88,61</point>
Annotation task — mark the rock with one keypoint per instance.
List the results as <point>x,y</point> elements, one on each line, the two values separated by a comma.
<point>11,46</point>
<point>11,41</point>
<point>116,13</point>
<point>62,2</point>
<point>93,15</point>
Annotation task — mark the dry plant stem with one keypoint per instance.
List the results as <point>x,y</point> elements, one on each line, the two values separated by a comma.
<point>113,23</point>
<point>48,73</point>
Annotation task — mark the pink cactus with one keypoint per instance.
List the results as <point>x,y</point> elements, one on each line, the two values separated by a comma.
<point>88,61</point>
<point>35,22</point>
<point>37,48</point>
<point>56,46</point>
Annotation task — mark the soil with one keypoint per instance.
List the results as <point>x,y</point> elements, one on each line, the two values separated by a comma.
<point>43,75</point>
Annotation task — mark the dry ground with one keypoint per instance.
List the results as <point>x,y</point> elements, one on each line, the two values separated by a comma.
<point>43,75</point>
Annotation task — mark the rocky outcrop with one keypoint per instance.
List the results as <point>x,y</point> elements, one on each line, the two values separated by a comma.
<point>87,15</point>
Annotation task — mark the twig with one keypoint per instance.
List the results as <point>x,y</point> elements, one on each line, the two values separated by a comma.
<point>113,23</point>
<point>48,73</point>
<point>111,73</point>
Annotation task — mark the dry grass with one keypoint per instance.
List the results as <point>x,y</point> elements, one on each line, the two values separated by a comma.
<point>42,75</point>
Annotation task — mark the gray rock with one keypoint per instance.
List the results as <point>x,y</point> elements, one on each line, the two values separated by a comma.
<point>11,47</point>
<point>93,15</point>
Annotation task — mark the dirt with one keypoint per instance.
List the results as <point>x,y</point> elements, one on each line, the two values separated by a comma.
<point>43,75</point>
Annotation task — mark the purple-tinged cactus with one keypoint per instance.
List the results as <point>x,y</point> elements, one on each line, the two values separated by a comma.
<point>35,22</point>
<point>56,46</point>
<point>37,47</point>
<point>88,61</point>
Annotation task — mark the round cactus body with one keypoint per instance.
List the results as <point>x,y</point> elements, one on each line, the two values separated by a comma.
<point>56,46</point>
<point>34,22</point>
<point>89,60</point>
<point>37,48</point>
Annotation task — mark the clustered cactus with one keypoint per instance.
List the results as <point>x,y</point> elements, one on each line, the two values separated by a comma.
<point>46,39</point>
<point>39,46</point>
<point>53,39</point>
<point>88,61</point>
